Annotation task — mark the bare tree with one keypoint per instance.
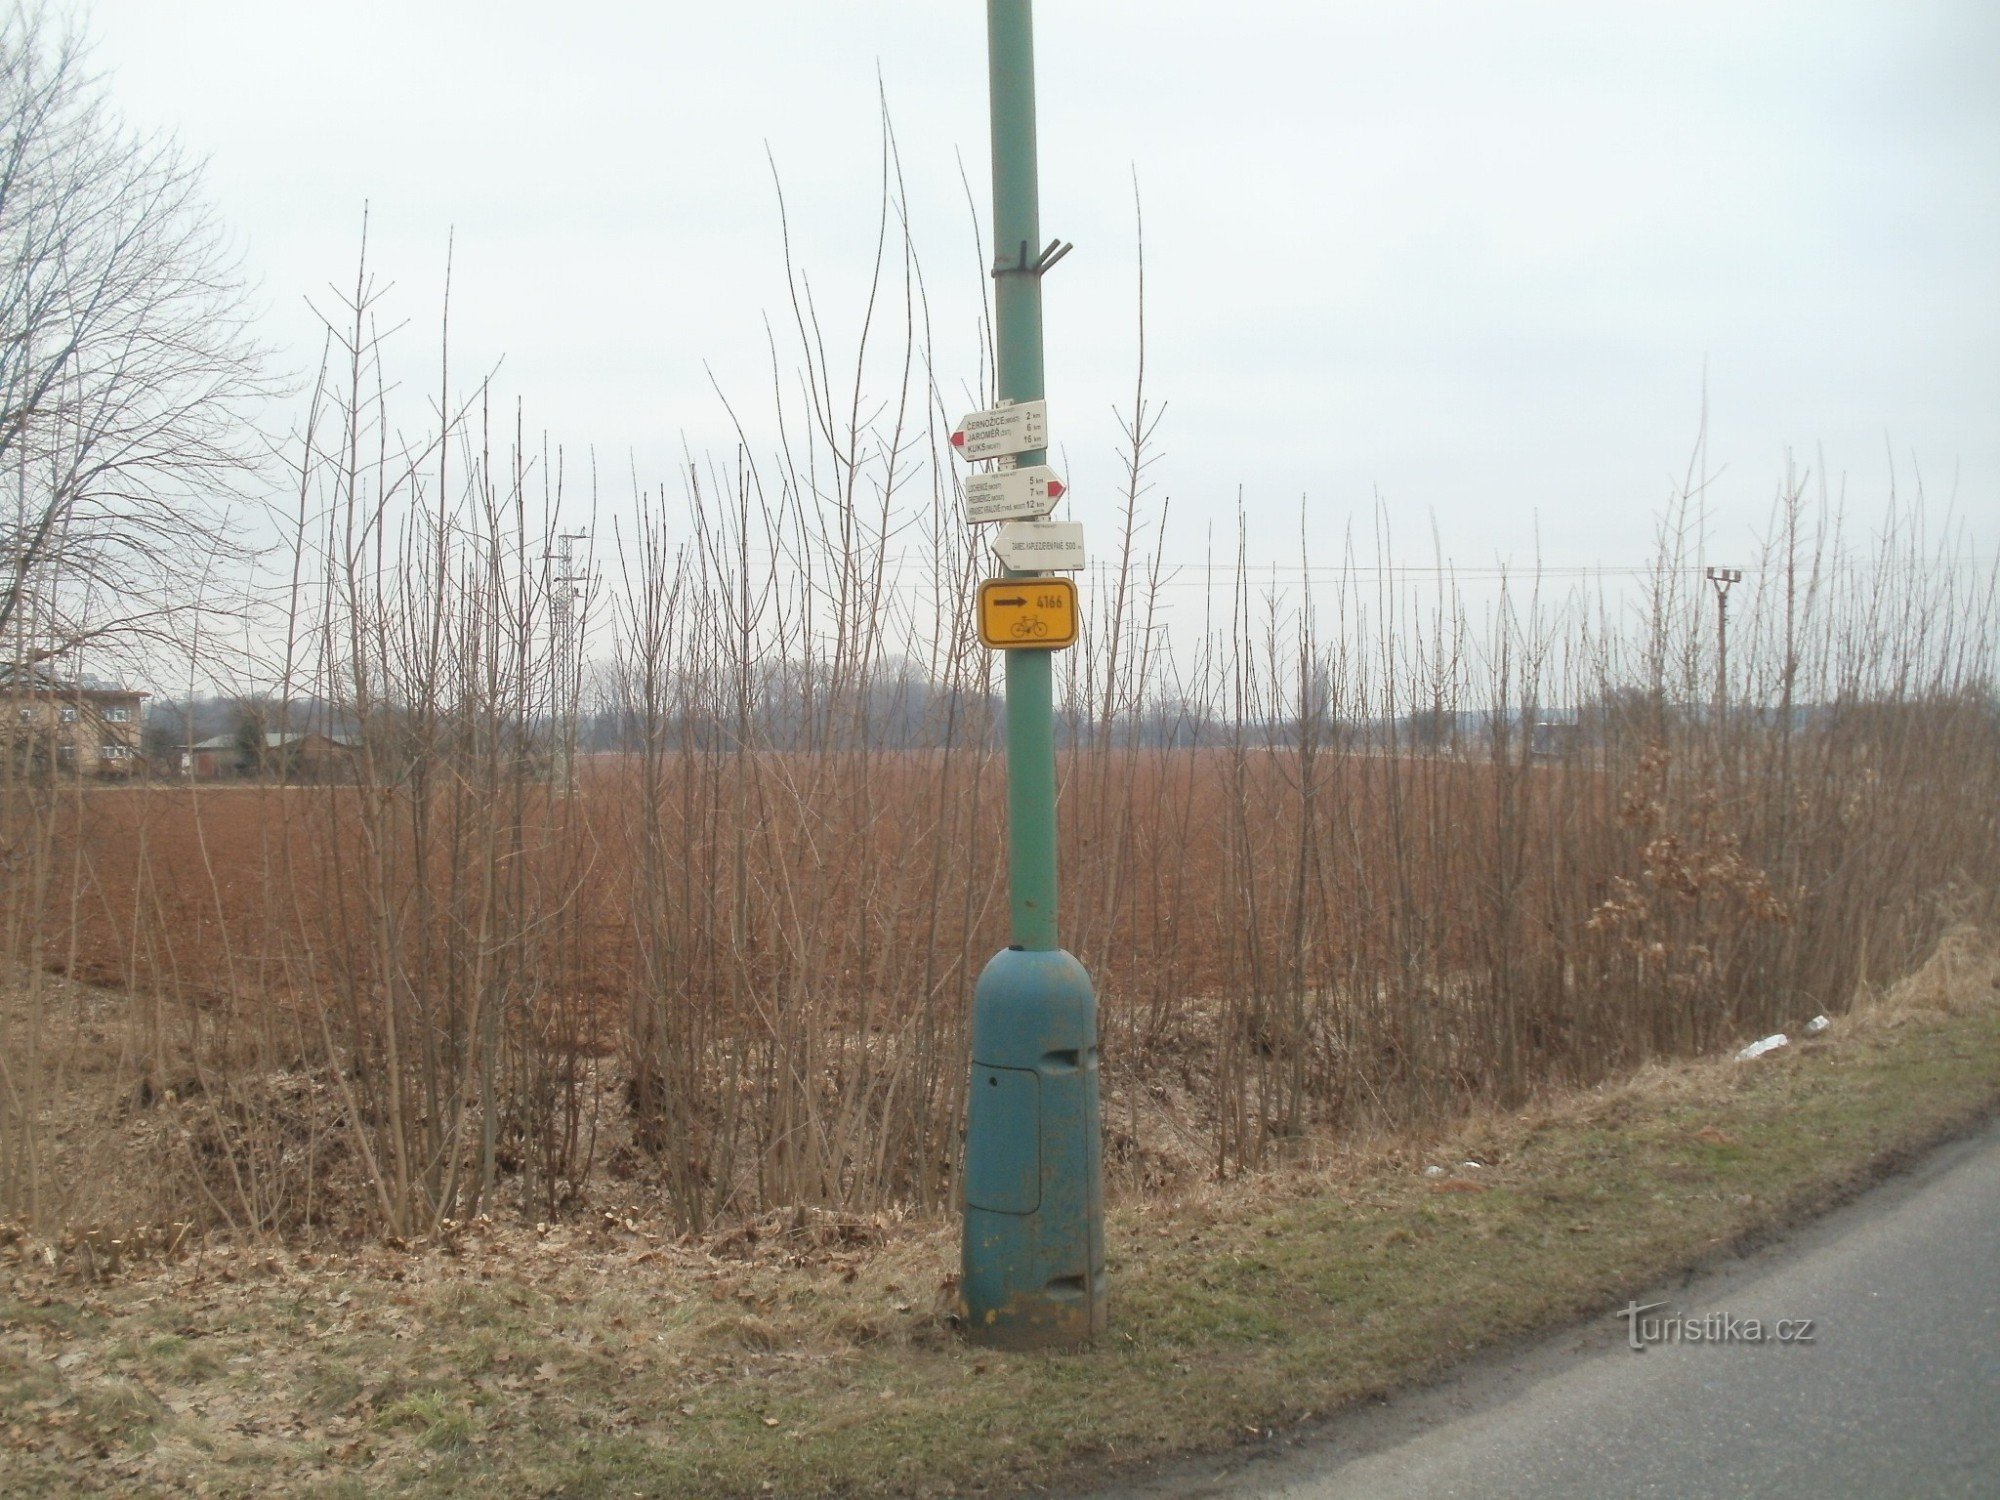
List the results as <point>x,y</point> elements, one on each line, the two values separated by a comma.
<point>127,368</point>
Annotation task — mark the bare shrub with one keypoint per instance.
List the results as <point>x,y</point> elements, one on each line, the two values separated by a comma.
<point>1343,848</point>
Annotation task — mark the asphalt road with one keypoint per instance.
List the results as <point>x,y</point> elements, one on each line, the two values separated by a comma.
<point>1894,1391</point>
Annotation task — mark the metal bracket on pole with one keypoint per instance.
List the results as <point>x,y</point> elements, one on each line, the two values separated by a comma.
<point>1052,252</point>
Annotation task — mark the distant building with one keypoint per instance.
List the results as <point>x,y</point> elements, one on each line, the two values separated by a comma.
<point>304,755</point>
<point>209,759</point>
<point>1554,739</point>
<point>86,726</point>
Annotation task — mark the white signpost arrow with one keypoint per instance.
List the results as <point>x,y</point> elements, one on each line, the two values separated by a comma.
<point>1012,494</point>
<point>1021,427</point>
<point>1040,546</point>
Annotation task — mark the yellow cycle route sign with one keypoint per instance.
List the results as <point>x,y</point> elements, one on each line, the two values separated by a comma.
<point>1034,612</point>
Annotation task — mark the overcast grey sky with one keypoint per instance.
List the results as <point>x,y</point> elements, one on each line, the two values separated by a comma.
<point>1475,258</point>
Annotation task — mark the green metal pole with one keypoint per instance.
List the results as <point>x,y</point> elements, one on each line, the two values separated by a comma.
<point>1017,316</point>
<point>1034,1195</point>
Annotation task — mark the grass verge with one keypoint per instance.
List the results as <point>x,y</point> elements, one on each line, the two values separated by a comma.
<point>812,1355</point>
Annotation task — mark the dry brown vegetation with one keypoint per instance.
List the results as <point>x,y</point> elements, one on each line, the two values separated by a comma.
<point>731,981</point>
<point>811,1352</point>
<point>696,927</point>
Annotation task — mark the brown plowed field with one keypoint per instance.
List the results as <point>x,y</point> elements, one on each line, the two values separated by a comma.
<point>882,873</point>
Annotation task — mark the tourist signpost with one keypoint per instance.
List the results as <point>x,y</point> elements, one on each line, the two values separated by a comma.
<point>1011,427</point>
<point>1028,492</point>
<point>1036,613</point>
<point>1045,546</point>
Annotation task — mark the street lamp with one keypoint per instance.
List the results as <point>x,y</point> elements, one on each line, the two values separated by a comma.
<point>1722,578</point>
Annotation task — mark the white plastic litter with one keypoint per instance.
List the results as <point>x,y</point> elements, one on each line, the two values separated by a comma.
<point>1433,1171</point>
<point>1473,1166</point>
<point>1769,1044</point>
<point>1816,1025</point>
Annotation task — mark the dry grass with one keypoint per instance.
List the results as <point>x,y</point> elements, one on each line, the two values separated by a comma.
<point>811,1352</point>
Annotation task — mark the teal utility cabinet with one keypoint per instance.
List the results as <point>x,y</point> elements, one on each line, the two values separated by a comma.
<point>1034,1190</point>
